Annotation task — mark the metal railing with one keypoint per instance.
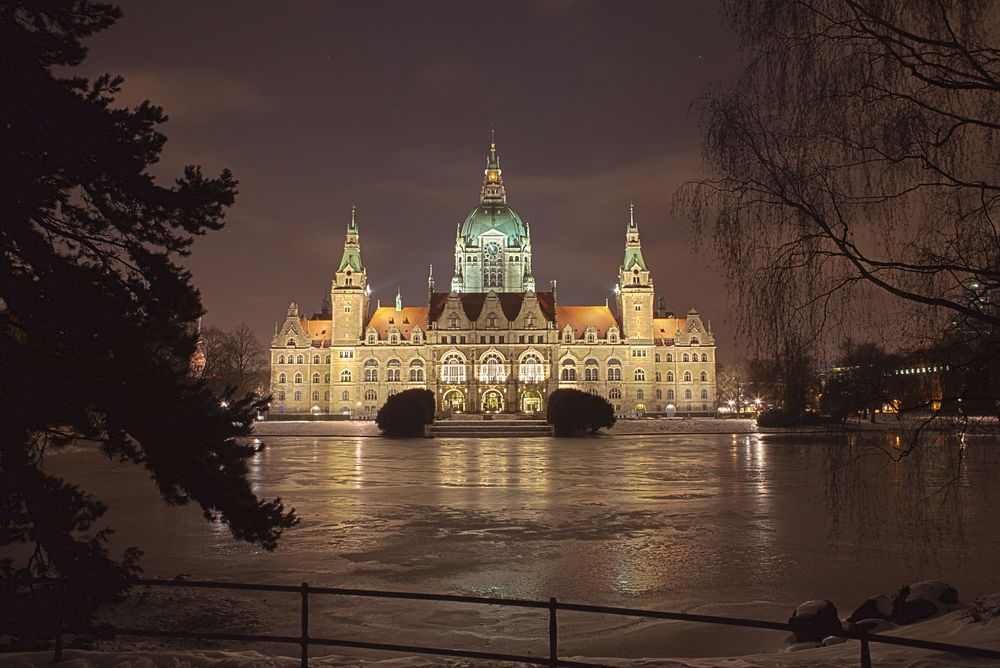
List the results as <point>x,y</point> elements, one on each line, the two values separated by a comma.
<point>304,640</point>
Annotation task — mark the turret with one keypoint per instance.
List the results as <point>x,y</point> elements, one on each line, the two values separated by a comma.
<point>349,291</point>
<point>635,287</point>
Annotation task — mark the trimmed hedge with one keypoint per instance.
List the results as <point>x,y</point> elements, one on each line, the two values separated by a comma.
<point>405,414</point>
<point>571,412</point>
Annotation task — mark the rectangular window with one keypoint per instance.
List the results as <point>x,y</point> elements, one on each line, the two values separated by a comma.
<point>463,339</point>
<point>482,339</point>
<point>520,339</point>
<point>501,338</point>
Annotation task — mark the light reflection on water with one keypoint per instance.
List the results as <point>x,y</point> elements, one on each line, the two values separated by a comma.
<point>657,521</point>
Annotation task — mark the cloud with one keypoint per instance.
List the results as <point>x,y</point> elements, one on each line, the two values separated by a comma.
<point>193,96</point>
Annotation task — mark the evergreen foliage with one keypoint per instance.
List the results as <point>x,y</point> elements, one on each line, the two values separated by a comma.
<point>97,318</point>
<point>572,411</point>
<point>405,414</point>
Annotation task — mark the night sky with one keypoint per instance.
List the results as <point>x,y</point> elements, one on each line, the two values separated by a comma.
<point>389,105</point>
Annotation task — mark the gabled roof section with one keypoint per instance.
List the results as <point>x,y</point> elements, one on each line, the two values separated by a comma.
<point>511,304</point>
<point>581,317</point>
<point>352,259</point>
<point>405,319</point>
<point>666,329</point>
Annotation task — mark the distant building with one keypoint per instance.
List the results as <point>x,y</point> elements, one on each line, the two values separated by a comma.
<point>492,342</point>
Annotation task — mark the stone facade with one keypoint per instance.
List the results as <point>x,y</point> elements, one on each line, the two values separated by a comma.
<point>492,343</point>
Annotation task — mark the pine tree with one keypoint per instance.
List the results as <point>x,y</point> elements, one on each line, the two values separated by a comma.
<point>97,318</point>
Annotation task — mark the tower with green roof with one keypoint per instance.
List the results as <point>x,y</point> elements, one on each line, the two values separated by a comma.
<point>493,244</point>
<point>349,290</point>
<point>635,287</point>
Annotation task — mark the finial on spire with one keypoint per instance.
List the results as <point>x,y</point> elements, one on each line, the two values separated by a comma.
<point>631,214</point>
<point>399,300</point>
<point>493,137</point>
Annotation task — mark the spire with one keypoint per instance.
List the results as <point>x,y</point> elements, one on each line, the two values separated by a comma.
<point>399,300</point>
<point>493,190</point>
<point>632,227</point>
<point>633,248</point>
<point>351,258</point>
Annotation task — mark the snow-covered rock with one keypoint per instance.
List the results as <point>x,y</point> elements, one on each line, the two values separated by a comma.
<point>814,620</point>
<point>923,600</point>
<point>876,607</point>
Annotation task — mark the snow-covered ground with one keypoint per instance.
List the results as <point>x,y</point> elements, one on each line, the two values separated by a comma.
<point>955,628</point>
<point>728,524</point>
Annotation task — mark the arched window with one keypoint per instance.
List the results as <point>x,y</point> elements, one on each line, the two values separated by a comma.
<point>345,376</point>
<point>492,266</point>
<point>372,338</point>
<point>452,321</point>
<point>315,395</point>
<point>614,369</point>
<point>638,306</point>
<point>687,394</point>
<point>299,360</point>
<point>417,336</point>
<point>492,320</point>
<point>298,395</point>
<point>703,376</point>
<point>453,369</point>
<point>347,307</point>
<point>685,358</point>
<point>567,335</point>
<point>704,394</point>
<point>298,378</point>
<point>345,396</point>
<point>417,371</point>
<point>670,394</point>
<point>290,343</point>
<point>658,378</point>
<point>371,395</point>
<point>615,393</point>
<point>657,357</point>
<point>531,369</point>
<point>282,378</point>
<point>638,394</point>
<point>328,359</point>
<point>315,378</point>
<point>613,335</point>
<point>394,337</point>
<point>694,341</point>
<point>371,371</point>
<point>591,371</point>
<point>326,396</point>
<point>492,369</point>
<point>568,372</point>
<point>281,359</point>
<point>392,371</point>
<point>281,395</point>
<point>670,376</point>
<point>659,394</point>
<point>326,377</point>
<point>687,376</point>
<point>704,357</point>
<point>315,359</point>
<point>639,374</point>
<point>670,357</point>
<point>591,336</point>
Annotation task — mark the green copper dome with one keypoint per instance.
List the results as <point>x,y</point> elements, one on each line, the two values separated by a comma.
<point>499,217</point>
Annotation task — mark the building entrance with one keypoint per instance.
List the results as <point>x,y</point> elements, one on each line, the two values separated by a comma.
<point>454,401</point>
<point>531,402</point>
<point>492,401</point>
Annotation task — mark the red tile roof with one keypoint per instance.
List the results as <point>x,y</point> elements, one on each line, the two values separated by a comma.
<point>386,317</point>
<point>582,317</point>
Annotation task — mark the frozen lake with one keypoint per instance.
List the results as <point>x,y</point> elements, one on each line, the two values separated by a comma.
<point>719,524</point>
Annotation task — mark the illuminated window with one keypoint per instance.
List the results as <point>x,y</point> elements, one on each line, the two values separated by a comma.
<point>568,372</point>
<point>639,374</point>
<point>492,369</point>
<point>453,369</point>
<point>531,369</point>
<point>345,376</point>
<point>315,378</point>
<point>345,396</point>
<point>687,376</point>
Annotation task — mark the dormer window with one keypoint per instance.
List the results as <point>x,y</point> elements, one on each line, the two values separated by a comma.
<point>291,343</point>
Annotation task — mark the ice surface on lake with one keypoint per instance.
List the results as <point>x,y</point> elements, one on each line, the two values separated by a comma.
<point>714,524</point>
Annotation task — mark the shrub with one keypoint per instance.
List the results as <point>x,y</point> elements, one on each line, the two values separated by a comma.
<point>776,418</point>
<point>572,411</point>
<point>406,413</point>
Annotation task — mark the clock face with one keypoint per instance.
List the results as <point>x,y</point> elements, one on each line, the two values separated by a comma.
<point>492,249</point>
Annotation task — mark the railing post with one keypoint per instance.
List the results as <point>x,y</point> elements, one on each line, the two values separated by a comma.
<point>304,638</point>
<point>60,619</point>
<point>553,634</point>
<point>866,655</point>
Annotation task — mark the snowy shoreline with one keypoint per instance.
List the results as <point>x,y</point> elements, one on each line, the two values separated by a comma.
<point>638,427</point>
<point>955,628</point>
